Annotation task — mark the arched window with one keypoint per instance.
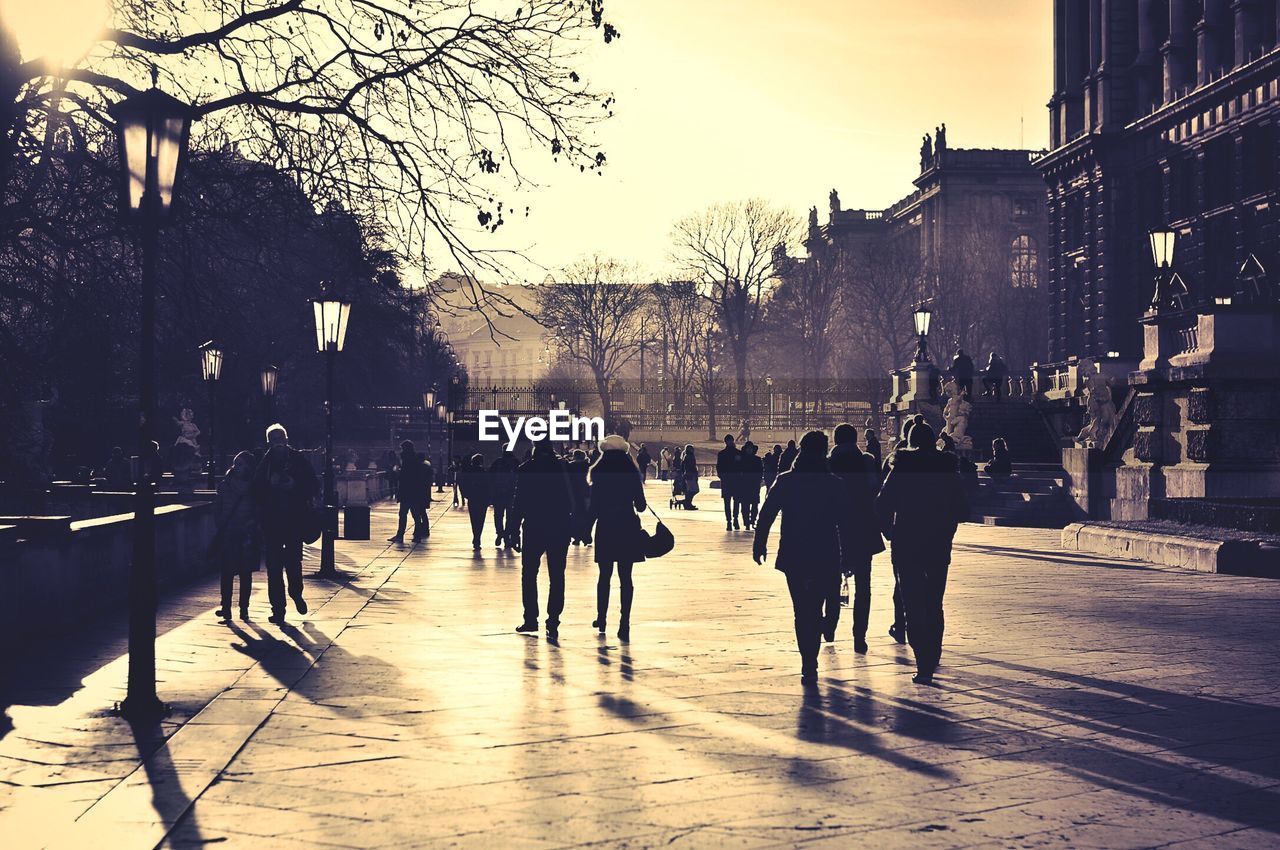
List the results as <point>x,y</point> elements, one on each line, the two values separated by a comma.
<point>1024,263</point>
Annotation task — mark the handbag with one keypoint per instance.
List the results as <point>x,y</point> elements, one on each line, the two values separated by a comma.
<point>312,524</point>
<point>659,543</point>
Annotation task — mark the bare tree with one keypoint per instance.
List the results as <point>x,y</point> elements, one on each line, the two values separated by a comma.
<point>416,111</point>
<point>593,309</point>
<point>679,313</point>
<point>805,307</point>
<point>882,281</point>
<point>732,252</point>
<point>707,371</point>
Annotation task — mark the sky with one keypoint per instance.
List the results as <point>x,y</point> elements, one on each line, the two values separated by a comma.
<point>722,100</point>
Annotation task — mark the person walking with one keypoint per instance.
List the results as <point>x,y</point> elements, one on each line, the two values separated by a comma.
<point>502,490</point>
<point>235,543</point>
<point>414,494</point>
<point>284,486</point>
<point>118,474</point>
<point>770,462</point>
<point>577,469</point>
<point>390,464</point>
<point>871,448</point>
<point>919,508</point>
<point>644,460</point>
<point>815,517</point>
<point>727,471</point>
<point>850,465</point>
<point>750,476</point>
<point>962,373</point>
<point>993,378</point>
<point>664,462</point>
<point>542,514</point>
<point>617,496</point>
<point>689,474</point>
<point>788,457</point>
<point>473,482</point>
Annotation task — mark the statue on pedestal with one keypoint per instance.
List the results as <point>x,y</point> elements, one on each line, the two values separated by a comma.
<point>186,449</point>
<point>834,200</point>
<point>956,412</point>
<point>926,153</point>
<point>1100,413</point>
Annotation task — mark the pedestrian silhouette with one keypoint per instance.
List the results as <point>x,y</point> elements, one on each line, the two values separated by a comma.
<point>235,544</point>
<point>617,495</point>
<point>284,486</point>
<point>920,505</point>
<point>416,476</point>
<point>962,372</point>
<point>542,515</point>
<point>689,486</point>
<point>750,476</point>
<point>788,457</point>
<point>727,471</point>
<point>862,541</point>
<point>815,520</point>
<point>770,463</point>
<point>994,376</point>
<point>1001,464</point>
<point>502,490</point>
<point>577,469</point>
<point>643,460</point>
<point>473,482</point>
<point>118,474</point>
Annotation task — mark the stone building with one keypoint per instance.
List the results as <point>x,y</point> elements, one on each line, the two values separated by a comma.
<point>975,232</point>
<point>1164,117</point>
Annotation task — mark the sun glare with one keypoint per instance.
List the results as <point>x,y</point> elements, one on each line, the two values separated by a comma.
<point>57,31</point>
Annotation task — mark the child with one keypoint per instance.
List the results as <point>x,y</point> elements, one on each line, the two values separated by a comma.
<point>235,544</point>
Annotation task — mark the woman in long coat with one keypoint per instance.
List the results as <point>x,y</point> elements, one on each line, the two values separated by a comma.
<point>815,521</point>
<point>617,495</point>
<point>236,542</point>
<point>689,472</point>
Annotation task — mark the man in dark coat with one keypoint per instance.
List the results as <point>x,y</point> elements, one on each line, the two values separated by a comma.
<point>283,488</point>
<point>750,476</point>
<point>473,481</point>
<point>815,520</point>
<point>962,372</point>
<point>920,505</point>
<point>770,463</point>
<point>643,460</point>
<point>414,493</point>
<point>863,542</point>
<point>544,505</point>
<point>788,457</point>
<point>727,471</point>
<point>502,490</point>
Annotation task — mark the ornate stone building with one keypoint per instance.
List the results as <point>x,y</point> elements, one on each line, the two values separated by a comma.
<point>1164,113</point>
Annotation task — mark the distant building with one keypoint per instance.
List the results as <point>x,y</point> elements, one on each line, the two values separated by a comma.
<point>1164,112</point>
<point>975,232</point>
<point>495,349</point>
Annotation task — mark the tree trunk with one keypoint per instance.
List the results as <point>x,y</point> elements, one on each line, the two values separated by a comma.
<point>740,367</point>
<point>606,402</point>
<point>711,416</point>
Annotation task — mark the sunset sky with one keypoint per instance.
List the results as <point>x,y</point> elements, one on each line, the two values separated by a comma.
<point>727,99</point>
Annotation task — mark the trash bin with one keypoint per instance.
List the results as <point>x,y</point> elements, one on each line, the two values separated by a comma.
<point>355,522</point>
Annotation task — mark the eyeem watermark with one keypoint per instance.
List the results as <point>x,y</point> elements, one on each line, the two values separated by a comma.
<point>558,426</point>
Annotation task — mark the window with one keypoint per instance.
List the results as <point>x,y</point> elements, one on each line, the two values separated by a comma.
<point>1025,263</point>
<point>1024,208</point>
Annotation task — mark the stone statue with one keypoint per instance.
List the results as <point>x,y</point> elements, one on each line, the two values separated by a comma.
<point>926,153</point>
<point>813,219</point>
<point>835,202</point>
<point>188,431</point>
<point>1100,413</point>
<point>956,413</point>
<point>941,146</point>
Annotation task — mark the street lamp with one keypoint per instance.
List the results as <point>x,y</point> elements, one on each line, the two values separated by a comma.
<point>923,315</point>
<point>269,378</point>
<point>152,131</point>
<point>211,368</point>
<point>331,316</point>
<point>429,406</point>
<point>1163,241</point>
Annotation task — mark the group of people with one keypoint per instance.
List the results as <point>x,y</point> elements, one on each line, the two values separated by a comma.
<point>837,507</point>
<point>993,377</point>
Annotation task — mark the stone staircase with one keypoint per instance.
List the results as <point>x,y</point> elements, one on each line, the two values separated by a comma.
<point>1035,496</point>
<point>1020,424</point>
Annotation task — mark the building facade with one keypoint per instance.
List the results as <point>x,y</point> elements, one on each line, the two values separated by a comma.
<point>1164,114</point>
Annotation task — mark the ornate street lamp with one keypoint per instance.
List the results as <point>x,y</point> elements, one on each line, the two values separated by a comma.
<point>331,316</point>
<point>1163,241</point>
<point>268,379</point>
<point>211,368</point>
<point>923,315</point>
<point>429,405</point>
<point>152,131</point>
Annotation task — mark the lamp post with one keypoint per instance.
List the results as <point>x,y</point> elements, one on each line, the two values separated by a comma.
<point>923,316</point>
<point>269,378</point>
<point>152,129</point>
<point>442,413</point>
<point>429,405</point>
<point>331,316</point>
<point>211,368</point>
<point>1163,240</point>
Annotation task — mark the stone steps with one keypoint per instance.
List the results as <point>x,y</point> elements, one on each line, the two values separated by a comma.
<point>1033,497</point>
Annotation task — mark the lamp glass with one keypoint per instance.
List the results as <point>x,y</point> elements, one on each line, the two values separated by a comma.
<point>269,377</point>
<point>923,316</point>
<point>331,324</point>
<point>211,363</point>
<point>153,128</point>
<point>442,411</point>
<point>429,399</point>
<point>1163,240</point>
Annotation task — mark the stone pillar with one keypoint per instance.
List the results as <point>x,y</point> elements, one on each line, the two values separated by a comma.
<point>1209,38</point>
<point>1147,63</point>
<point>1177,50</point>
<point>1092,82</point>
<point>1057,126</point>
<point>1074,70</point>
<point>1248,29</point>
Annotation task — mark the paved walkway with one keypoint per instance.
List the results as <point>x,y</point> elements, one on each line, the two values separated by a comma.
<point>1083,703</point>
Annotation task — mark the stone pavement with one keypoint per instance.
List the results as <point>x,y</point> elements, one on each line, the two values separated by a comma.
<point>1083,703</point>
